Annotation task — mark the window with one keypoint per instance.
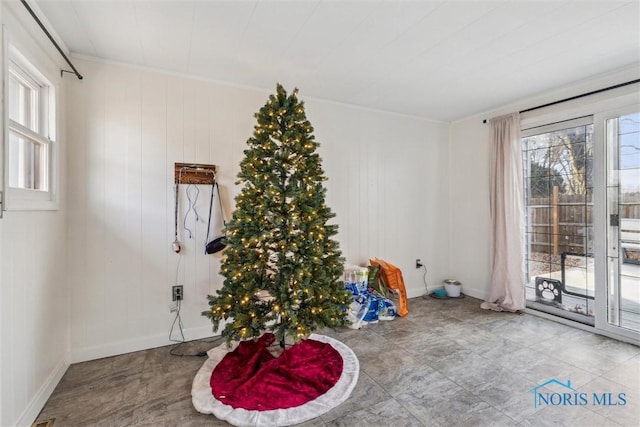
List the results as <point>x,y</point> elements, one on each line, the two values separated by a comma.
<point>31,135</point>
<point>557,161</point>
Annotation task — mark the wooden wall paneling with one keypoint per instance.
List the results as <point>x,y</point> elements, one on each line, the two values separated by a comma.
<point>154,178</point>
<point>22,274</point>
<point>168,119</point>
<point>77,209</point>
<point>115,220</point>
<point>5,319</point>
<point>191,89</point>
<point>175,150</point>
<point>228,136</point>
<point>199,226</point>
<point>95,232</point>
<point>14,392</point>
<point>6,316</point>
<point>204,260</point>
<point>364,160</point>
<point>10,324</point>
<point>136,300</point>
<point>374,170</point>
<point>443,214</point>
<point>202,124</point>
<point>470,155</point>
<point>336,163</point>
<point>212,150</point>
<point>49,289</point>
<point>220,141</point>
<point>352,249</point>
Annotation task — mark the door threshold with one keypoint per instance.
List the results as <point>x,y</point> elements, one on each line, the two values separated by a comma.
<point>559,312</point>
<point>582,326</point>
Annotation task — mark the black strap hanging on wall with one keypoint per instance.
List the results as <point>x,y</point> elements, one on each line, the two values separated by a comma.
<point>219,243</point>
<point>44,29</point>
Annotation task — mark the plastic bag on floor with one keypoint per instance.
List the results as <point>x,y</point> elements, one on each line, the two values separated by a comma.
<point>371,315</point>
<point>355,279</point>
<point>386,309</point>
<point>356,311</point>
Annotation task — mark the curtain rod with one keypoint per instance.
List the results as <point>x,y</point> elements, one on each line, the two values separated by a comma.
<point>582,95</point>
<point>33,14</point>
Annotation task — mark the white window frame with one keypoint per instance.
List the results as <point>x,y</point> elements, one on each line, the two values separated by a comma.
<point>600,173</point>
<point>20,199</point>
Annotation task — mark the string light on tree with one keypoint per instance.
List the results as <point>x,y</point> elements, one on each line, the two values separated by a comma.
<point>281,264</point>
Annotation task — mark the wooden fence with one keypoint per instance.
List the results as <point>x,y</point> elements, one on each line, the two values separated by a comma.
<point>564,222</point>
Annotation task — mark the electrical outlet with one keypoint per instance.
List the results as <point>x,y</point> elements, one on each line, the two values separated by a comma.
<point>177,293</point>
<point>418,263</point>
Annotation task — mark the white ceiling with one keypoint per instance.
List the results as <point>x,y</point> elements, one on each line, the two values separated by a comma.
<point>441,60</point>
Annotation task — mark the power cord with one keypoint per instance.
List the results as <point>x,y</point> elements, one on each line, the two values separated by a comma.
<point>178,306</point>
<point>424,279</point>
<point>180,342</point>
<point>202,353</point>
<point>177,319</point>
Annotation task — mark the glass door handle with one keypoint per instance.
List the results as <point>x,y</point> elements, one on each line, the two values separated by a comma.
<point>614,220</point>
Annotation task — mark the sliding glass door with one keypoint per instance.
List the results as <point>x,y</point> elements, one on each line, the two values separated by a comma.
<point>558,166</point>
<point>582,204</point>
<point>622,141</point>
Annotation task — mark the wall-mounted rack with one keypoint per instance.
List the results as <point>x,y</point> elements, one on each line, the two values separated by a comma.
<point>194,173</point>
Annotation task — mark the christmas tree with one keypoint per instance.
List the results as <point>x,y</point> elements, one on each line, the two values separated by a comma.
<point>281,266</point>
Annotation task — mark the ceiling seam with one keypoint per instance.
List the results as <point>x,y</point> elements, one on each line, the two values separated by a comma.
<point>414,57</point>
<point>142,49</point>
<point>193,22</point>
<point>83,29</point>
<point>356,92</point>
<point>302,25</point>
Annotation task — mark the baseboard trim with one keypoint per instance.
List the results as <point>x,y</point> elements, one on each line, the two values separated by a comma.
<point>40,399</point>
<point>136,344</point>
<point>480,294</point>
<point>415,292</point>
<point>470,292</point>
<point>159,340</point>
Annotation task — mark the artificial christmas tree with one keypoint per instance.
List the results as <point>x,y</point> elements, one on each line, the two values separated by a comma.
<point>281,266</point>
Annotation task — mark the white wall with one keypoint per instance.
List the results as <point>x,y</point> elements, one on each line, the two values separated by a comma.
<point>470,222</point>
<point>127,127</point>
<point>470,227</point>
<point>34,301</point>
<point>2,292</point>
<point>387,185</point>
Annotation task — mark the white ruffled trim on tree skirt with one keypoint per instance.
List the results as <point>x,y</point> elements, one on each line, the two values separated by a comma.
<point>205,403</point>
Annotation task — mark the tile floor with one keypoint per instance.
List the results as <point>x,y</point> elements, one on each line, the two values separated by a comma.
<point>448,363</point>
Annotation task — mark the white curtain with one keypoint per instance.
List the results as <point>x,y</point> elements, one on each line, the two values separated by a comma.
<point>507,214</point>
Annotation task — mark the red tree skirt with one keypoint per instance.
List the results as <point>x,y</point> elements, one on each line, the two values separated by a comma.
<point>247,386</point>
<point>252,378</point>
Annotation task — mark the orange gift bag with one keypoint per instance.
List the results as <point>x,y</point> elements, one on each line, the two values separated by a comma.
<point>393,280</point>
